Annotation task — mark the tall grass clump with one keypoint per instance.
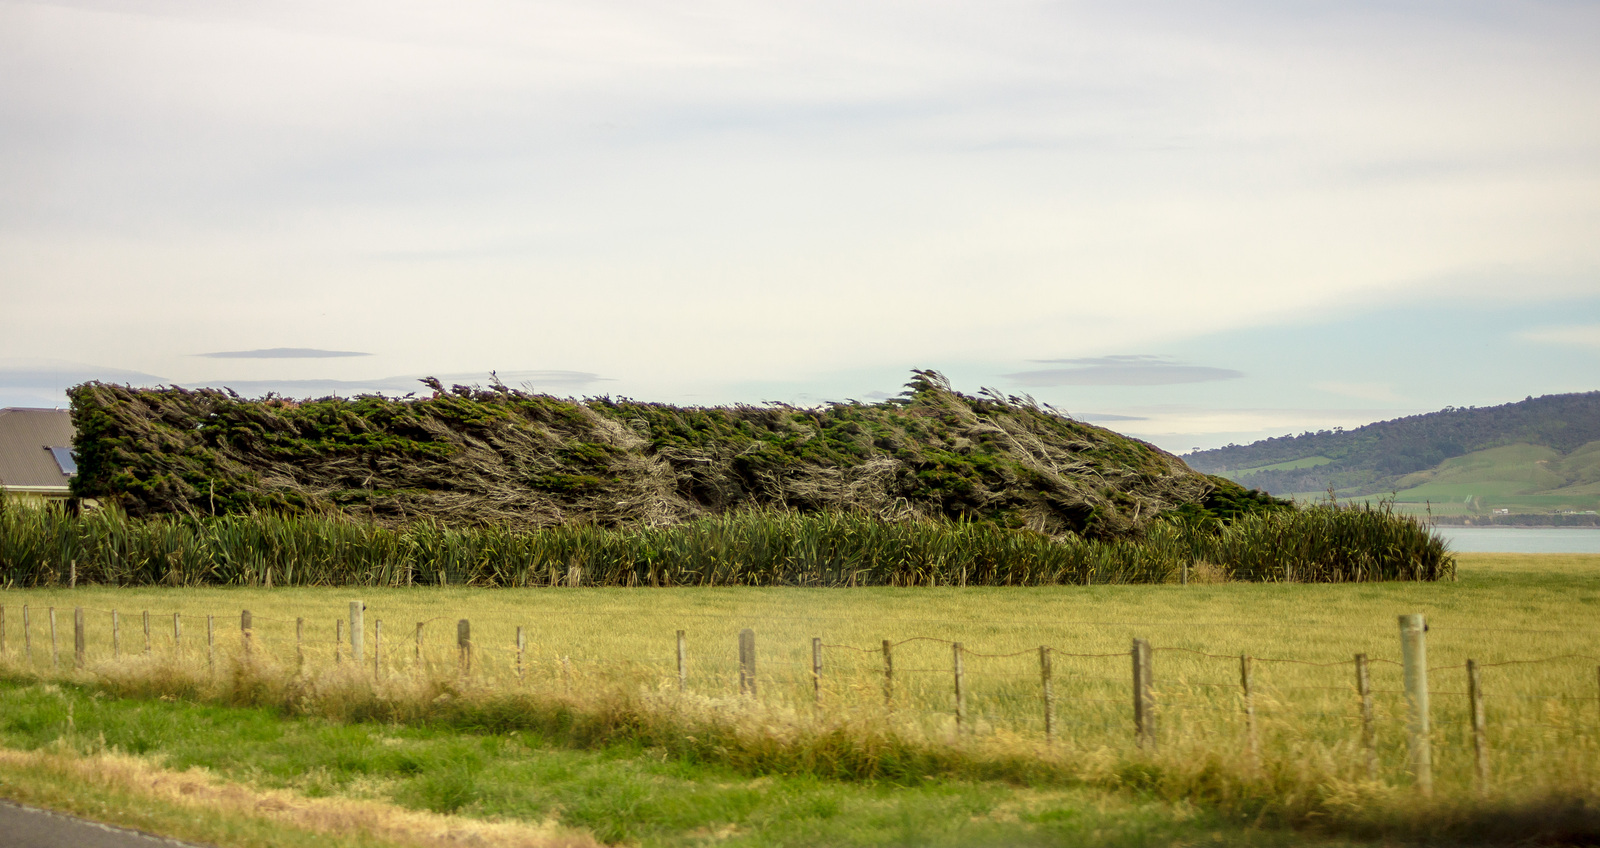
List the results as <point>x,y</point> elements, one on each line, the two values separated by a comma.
<point>1326,543</point>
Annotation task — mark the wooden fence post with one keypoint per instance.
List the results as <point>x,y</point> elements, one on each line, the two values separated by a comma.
<point>959,669</point>
<point>1247,683</point>
<point>747,662</point>
<point>299,643</point>
<point>358,629</point>
<point>338,641</point>
<point>147,633</point>
<point>464,646</point>
<point>177,632</point>
<point>77,638</point>
<point>816,669</point>
<point>27,635</point>
<point>245,624</point>
<point>888,673</point>
<point>419,643</point>
<point>55,644</point>
<point>1369,730</point>
<point>1046,682</point>
<point>1480,738</point>
<point>1414,657</point>
<point>72,571</point>
<point>521,646</point>
<point>116,636</point>
<point>1143,722</point>
<point>211,645</point>
<point>377,650</point>
<point>683,661</point>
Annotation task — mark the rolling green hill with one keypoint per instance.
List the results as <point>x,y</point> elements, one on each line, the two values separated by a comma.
<point>1537,456</point>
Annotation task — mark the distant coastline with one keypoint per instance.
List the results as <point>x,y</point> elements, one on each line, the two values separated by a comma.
<point>1530,520</point>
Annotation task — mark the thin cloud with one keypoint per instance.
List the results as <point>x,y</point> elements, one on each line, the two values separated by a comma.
<point>1101,417</point>
<point>1582,335</point>
<point>282,353</point>
<point>1121,370</point>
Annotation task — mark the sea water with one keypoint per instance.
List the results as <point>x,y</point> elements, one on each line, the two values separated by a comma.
<point>1523,540</point>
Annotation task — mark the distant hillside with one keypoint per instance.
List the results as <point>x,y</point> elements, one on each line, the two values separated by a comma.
<point>471,457</point>
<point>1539,454</point>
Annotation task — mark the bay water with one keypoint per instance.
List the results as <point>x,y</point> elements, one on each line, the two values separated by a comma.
<point>1522,540</point>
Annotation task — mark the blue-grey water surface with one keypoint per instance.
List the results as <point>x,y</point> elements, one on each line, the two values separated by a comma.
<point>1523,540</point>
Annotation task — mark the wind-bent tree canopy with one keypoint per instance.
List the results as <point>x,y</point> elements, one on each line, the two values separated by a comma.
<point>476,457</point>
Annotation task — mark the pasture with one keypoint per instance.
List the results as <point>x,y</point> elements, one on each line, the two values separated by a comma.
<point>1528,621</point>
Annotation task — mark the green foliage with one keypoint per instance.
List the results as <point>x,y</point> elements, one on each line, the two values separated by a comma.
<point>1320,544</point>
<point>1230,501</point>
<point>477,458</point>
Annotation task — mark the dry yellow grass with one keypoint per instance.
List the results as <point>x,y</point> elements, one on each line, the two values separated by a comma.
<point>1544,717</point>
<point>119,787</point>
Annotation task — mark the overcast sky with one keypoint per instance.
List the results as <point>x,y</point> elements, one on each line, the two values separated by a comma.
<point>1197,222</point>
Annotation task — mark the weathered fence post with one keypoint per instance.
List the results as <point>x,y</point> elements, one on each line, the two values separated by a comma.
<point>1143,722</point>
<point>888,673</point>
<point>116,636</point>
<point>747,662</point>
<point>1247,683</point>
<point>338,641</point>
<point>177,632</point>
<point>816,669</point>
<point>27,635</point>
<point>299,643</point>
<point>77,637</point>
<point>464,646</point>
<point>55,644</point>
<point>72,571</point>
<point>419,643</point>
<point>521,646</point>
<point>358,629</point>
<point>245,624</point>
<point>1369,730</point>
<point>377,650</point>
<point>1480,738</point>
<point>1414,658</point>
<point>683,661</point>
<point>1046,673</point>
<point>211,645</point>
<point>959,669</point>
<point>147,633</point>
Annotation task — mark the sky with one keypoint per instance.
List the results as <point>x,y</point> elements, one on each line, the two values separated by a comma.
<point>1194,222</point>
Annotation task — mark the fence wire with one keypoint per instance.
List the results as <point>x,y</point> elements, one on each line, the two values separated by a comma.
<point>1078,697</point>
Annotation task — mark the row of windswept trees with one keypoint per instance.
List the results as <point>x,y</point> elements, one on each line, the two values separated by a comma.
<point>500,487</point>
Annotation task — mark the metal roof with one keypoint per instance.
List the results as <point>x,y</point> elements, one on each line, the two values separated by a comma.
<point>26,437</point>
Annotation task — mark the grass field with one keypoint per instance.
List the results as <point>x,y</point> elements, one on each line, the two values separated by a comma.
<point>1543,717</point>
<point>1504,608</point>
<point>1290,465</point>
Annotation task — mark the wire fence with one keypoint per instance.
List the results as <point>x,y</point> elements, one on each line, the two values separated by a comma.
<point>1390,717</point>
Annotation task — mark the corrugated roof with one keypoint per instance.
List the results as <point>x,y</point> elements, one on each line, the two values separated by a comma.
<point>26,436</point>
